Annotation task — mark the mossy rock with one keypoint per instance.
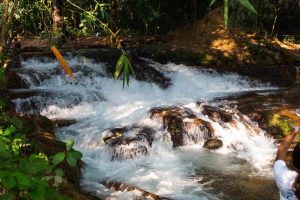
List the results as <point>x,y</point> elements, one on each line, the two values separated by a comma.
<point>281,125</point>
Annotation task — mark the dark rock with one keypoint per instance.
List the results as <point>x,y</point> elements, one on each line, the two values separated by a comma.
<point>205,129</point>
<point>173,121</point>
<point>128,143</point>
<point>63,122</point>
<point>175,128</point>
<point>117,186</point>
<point>217,114</point>
<point>213,143</point>
<point>14,81</point>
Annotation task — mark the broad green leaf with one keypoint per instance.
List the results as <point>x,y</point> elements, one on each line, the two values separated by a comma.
<point>75,154</point>
<point>212,3</point>
<point>69,144</point>
<point>36,164</point>
<point>248,5</point>
<point>9,130</point>
<point>58,158</point>
<point>9,182</point>
<point>37,193</point>
<point>4,139</point>
<point>22,179</point>
<point>131,68</point>
<point>3,173</point>
<point>119,66</point>
<point>71,160</point>
<point>59,172</point>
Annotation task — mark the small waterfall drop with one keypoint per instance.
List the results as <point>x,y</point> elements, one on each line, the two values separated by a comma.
<point>123,141</point>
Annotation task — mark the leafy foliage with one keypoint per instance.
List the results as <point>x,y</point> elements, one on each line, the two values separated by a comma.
<point>26,175</point>
<point>124,63</point>
<point>245,3</point>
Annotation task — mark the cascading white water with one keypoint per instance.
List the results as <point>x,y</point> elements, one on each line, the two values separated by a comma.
<point>100,103</point>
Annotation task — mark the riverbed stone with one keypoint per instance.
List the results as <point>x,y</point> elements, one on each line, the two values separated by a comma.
<point>213,143</point>
<point>216,114</point>
<point>179,121</point>
<point>129,142</point>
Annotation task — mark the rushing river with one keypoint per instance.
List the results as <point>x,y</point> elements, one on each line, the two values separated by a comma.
<point>240,169</point>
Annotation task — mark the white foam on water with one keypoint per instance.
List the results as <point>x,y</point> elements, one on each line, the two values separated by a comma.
<point>100,103</point>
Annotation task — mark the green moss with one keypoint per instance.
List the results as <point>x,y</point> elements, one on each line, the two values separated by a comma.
<point>207,59</point>
<point>283,124</point>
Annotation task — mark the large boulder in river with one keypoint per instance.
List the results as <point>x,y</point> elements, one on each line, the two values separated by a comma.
<point>213,143</point>
<point>216,114</point>
<point>127,143</point>
<point>184,127</point>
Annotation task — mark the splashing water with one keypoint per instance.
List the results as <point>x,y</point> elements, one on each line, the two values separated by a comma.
<point>99,103</point>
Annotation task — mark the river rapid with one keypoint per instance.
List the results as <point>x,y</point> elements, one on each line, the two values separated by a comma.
<point>240,169</point>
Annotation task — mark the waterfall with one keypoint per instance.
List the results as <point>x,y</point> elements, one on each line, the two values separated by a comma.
<point>144,135</point>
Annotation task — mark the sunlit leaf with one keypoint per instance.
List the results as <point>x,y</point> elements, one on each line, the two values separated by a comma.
<point>248,5</point>
<point>119,66</point>
<point>62,62</point>
<point>71,160</point>
<point>69,144</point>
<point>212,3</point>
<point>58,158</point>
<point>9,130</point>
<point>59,172</point>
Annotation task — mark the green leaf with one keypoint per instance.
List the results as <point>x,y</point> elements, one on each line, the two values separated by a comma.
<point>58,158</point>
<point>69,144</point>
<point>212,3</point>
<point>119,65</point>
<point>9,130</point>
<point>76,154</point>
<point>72,158</point>
<point>37,194</point>
<point>9,182</point>
<point>131,68</point>
<point>59,172</point>
<point>248,5</point>
<point>36,164</point>
<point>22,179</point>
<point>8,196</point>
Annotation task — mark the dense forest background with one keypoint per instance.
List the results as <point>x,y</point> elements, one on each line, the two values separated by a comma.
<point>30,171</point>
<point>145,17</point>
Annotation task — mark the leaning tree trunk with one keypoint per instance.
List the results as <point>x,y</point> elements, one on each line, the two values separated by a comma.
<point>57,18</point>
<point>4,30</point>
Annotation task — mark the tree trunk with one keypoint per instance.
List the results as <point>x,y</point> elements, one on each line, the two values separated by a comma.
<point>57,16</point>
<point>4,29</point>
<point>226,5</point>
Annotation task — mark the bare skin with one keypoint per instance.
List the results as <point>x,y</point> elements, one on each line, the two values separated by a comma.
<point>285,145</point>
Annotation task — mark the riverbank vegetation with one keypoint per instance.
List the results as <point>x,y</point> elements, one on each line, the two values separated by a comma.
<point>257,38</point>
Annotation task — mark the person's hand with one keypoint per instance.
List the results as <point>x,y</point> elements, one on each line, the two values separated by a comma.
<point>297,128</point>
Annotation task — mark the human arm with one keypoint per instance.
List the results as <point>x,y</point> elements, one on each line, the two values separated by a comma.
<point>285,145</point>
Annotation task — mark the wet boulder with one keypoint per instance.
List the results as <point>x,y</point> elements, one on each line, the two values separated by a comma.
<point>217,114</point>
<point>198,130</point>
<point>175,127</point>
<point>184,127</point>
<point>118,186</point>
<point>213,143</point>
<point>128,143</point>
